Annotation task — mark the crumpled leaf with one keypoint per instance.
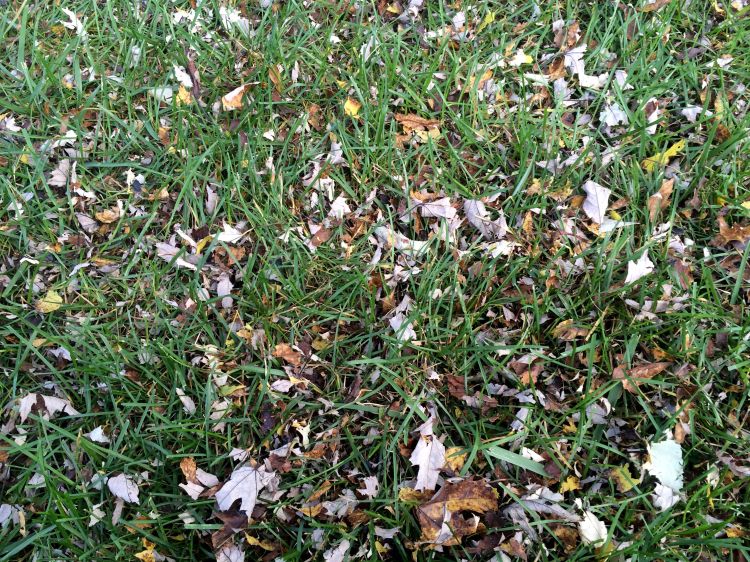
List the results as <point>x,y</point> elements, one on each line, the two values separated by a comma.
<point>168,252</point>
<point>429,456</point>
<point>662,158</point>
<point>411,122</point>
<point>338,552</point>
<point>230,553</point>
<point>50,302</point>
<point>660,199</point>
<point>244,484</point>
<point>285,352</point>
<point>371,486</point>
<point>479,218</point>
<point>47,406</point>
<point>597,201</point>
<point>387,236</point>
<point>639,268</point>
<point>64,173</point>
<point>440,518</point>
<point>665,463</point>
<point>124,487</point>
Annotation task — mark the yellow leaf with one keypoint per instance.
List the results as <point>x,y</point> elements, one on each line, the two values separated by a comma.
<point>265,545</point>
<point>571,484</point>
<point>488,19</point>
<point>184,97</point>
<point>623,479</point>
<point>455,459</point>
<point>50,302</point>
<point>148,554</point>
<point>25,158</point>
<point>342,84</point>
<point>352,107</point>
<point>202,243</point>
<point>663,158</point>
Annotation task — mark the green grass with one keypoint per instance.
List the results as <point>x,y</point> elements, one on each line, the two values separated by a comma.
<point>136,327</point>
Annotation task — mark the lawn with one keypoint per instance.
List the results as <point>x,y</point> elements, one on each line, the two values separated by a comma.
<point>339,281</point>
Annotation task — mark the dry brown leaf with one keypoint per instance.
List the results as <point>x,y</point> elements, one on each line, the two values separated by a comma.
<point>568,536</point>
<point>654,6</point>
<point>189,468</point>
<point>734,233</point>
<point>660,199</point>
<point>108,216</point>
<point>567,331</point>
<point>285,352</point>
<point>632,378</point>
<point>233,100</point>
<point>411,122</point>
<point>440,518</point>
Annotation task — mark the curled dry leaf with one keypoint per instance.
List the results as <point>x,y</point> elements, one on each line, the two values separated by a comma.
<point>429,456</point>
<point>479,218</point>
<point>441,518</point>
<point>660,199</point>
<point>411,122</point>
<point>285,352</point>
<point>727,234</point>
<point>233,100</point>
<point>568,331</point>
<point>632,378</point>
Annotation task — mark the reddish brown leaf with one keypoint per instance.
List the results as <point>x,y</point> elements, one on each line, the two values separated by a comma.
<point>285,352</point>
<point>660,199</point>
<point>632,378</point>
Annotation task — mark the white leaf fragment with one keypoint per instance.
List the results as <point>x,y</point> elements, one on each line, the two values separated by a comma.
<point>429,456</point>
<point>597,201</point>
<point>665,463</point>
<point>371,486</point>
<point>47,406</point>
<point>124,487</point>
<point>244,484</point>
<point>188,403</point>
<point>479,218</point>
<point>97,435</point>
<point>639,268</point>
<point>592,530</point>
<point>389,237</point>
<point>337,553</point>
